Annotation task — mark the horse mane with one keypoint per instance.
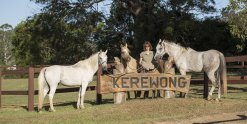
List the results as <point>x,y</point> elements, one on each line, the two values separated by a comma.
<point>178,45</point>
<point>89,60</point>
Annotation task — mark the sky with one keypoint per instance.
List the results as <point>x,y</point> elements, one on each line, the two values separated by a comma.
<point>15,11</point>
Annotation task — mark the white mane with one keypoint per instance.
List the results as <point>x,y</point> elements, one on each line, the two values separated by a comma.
<point>92,60</point>
<point>179,46</point>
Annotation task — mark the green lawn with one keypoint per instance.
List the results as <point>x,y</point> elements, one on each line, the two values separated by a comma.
<point>133,111</point>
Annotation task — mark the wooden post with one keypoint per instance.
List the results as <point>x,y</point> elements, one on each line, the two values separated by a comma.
<point>98,96</point>
<point>30,89</point>
<point>206,81</point>
<point>161,65</point>
<point>0,88</point>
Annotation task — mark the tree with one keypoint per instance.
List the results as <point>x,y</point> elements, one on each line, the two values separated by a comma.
<point>67,31</point>
<point>157,19</point>
<point>235,14</point>
<point>6,56</point>
<point>64,33</point>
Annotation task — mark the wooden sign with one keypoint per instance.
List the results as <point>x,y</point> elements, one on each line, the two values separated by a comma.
<point>143,81</point>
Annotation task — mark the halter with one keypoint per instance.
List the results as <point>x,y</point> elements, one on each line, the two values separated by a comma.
<point>102,63</point>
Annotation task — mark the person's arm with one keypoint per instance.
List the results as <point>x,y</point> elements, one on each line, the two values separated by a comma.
<point>140,60</point>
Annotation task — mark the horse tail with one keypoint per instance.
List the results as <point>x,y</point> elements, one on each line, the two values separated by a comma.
<point>223,73</point>
<point>41,83</point>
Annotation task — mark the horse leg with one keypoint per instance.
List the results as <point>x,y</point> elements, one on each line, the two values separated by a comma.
<point>219,85</point>
<point>128,93</point>
<point>83,90</point>
<point>79,99</point>
<point>154,93</point>
<point>212,79</point>
<point>51,95</point>
<point>219,92</point>
<point>161,93</point>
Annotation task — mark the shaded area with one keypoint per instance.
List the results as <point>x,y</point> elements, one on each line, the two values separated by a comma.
<point>241,118</point>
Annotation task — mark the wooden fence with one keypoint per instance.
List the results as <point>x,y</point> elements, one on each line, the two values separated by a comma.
<point>31,92</point>
<point>239,64</point>
<point>232,62</point>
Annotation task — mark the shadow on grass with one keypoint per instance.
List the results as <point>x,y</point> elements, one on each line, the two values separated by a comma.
<point>241,118</point>
<point>74,104</point>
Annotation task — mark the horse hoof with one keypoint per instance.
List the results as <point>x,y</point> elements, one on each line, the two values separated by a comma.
<point>209,98</point>
<point>217,100</point>
<point>39,110</point>
<point>82,107</point>
<point>52,110</point>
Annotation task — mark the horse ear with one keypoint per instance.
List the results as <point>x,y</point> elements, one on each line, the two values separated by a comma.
<point>163,41</point>
<point>100,51</point>
<point>159,40</point>
<point>126,45</point>
<point>106,51</point>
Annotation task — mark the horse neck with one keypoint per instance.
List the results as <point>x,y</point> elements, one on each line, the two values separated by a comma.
<point>93,60</point>
<point>175,51</point>
<point>126,57</point>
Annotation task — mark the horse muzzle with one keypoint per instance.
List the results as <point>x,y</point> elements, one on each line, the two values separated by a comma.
<point>157,57</point>
<point>104,67</point>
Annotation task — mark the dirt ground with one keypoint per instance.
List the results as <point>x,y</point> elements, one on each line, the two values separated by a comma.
<point>223,118</point>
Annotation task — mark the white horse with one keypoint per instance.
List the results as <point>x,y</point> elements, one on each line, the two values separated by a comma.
<point>212,62</point>
<point>79,74</point>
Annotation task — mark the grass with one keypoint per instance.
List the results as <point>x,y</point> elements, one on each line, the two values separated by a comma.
<point>133,111</point>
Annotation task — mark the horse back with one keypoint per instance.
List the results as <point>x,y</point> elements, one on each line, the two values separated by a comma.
<point>67,75</point>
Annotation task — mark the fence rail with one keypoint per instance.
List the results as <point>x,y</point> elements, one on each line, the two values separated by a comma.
<point>31,92</point>
<point>239,79</point>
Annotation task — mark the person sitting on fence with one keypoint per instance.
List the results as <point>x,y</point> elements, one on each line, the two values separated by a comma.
<point>146,57</point>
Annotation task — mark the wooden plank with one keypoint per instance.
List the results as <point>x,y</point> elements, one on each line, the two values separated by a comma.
<point>74,89</point>
<point>236,77</point>
<point>144,81</point>
<point>37,70</point>
<point>15,72</point>
<point>236,66</point>
<point>16,92</point>
<point>236,58</point>
<point>237,81</point>
<point>61,90</point>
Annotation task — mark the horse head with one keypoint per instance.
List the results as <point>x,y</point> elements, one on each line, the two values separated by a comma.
<point>160,50</point>
<point>125,52</point>
<point>103,59</point>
